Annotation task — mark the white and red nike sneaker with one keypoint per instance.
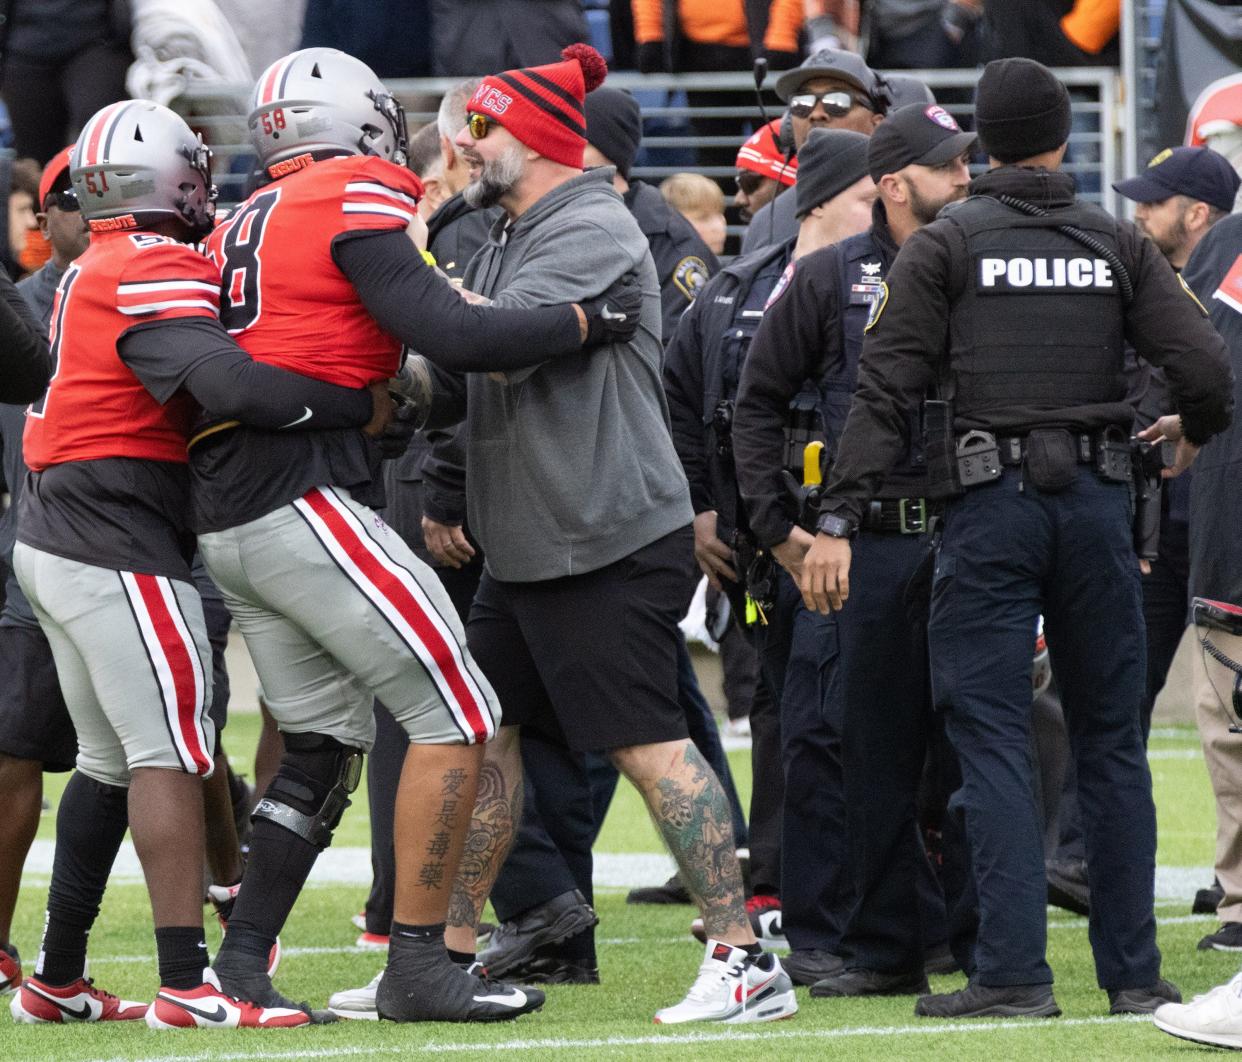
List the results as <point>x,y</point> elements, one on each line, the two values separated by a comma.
<point>732,987</point>
<point>10,969</point>
<point>36,1002</point>
<point>222,898</point>
<point>206,1007</point>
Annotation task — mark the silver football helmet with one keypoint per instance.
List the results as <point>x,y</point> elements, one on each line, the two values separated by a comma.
<point>320,99</point>
<point>137,160</point>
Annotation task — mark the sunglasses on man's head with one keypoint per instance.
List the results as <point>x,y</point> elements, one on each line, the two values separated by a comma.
<point>837,104</point>
<point>748,182</point>
<point>478,124</point>
<point>66,200</point>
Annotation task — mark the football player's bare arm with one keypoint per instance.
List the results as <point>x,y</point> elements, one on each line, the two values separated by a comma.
<point>197,355</point>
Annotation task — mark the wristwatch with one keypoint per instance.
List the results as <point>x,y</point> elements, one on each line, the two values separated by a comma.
<point>835,526</point>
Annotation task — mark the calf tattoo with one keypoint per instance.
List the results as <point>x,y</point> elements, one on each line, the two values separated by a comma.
<point>497,811</point>
<point>431,873</point>
<point>692,813</point>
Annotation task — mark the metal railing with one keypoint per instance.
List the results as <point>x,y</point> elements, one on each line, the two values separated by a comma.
<point>672,103</point>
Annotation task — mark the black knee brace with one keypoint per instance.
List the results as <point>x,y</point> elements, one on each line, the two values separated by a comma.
<point>311,789</point>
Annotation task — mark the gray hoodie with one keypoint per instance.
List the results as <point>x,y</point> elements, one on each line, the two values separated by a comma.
<point>571,464</point>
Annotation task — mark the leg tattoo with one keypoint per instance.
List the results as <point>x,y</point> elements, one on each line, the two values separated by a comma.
<point>691,811</point>
<point>497,812</point>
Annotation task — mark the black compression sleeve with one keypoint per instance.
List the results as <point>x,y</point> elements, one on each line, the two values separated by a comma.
<point>25,364</point>
<point>226,382</point>
<point>410,301</point>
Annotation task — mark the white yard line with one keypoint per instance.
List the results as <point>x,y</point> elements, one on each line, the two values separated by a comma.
<point>769,1033</point>
<point>613,870</point>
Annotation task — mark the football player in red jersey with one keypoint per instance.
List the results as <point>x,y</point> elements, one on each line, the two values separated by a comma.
<point>103,550</point>
<point>319,276</point>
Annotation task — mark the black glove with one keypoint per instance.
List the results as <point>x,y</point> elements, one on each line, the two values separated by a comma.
<point>395,438</point>
<point>613,316</point>
<point>650,55</point>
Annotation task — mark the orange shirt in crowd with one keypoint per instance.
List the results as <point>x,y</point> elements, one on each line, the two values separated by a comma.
<point>1091,24</point>
<point>720,22</point>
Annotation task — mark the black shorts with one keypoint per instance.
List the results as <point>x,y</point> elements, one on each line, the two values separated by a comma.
<point>590,659</point>
<point>34,722</point>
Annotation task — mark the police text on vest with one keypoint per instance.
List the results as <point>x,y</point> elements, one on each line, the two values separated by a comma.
<point>1044,274</point>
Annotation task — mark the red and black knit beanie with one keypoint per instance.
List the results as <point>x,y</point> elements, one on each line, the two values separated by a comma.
<point>542,105</point>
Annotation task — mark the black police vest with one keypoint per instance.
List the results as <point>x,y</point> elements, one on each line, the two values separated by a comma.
<point>1039,321</point>
<point>730,319</point>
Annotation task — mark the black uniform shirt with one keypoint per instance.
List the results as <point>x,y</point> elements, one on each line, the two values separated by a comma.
<point>804,336</point>
<point>907,343</point>
<point>683,261</point>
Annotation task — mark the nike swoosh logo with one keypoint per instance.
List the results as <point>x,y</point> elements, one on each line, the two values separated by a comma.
<point>512,998</point>
<point>293,423</point>
<point>83,1013</point>
<point>219,1014</point>
<point>759,987</point>
<point>608,315</point>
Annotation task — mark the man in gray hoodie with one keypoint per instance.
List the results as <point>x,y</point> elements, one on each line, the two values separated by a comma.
<point>578,499</point>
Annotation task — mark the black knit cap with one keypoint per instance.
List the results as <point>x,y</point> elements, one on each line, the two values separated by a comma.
<point>829,162</point>
<point>1021,110</point>
<point>614,126</point>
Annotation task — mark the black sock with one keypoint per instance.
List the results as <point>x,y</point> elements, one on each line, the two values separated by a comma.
<point>753,950</point>
<point>462,958</point>
<point>182,954</point>
<point>90,825</point>
<point>279,864</point>
<point>405,933</point>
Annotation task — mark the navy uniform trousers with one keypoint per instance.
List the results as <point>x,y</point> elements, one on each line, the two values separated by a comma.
<point>1008,552</point>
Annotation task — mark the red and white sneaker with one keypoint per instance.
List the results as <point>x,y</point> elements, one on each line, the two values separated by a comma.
<point>359,921</point>
<point>206,1007</point>
<point>10,970</point>
<point>36,1003</point>
<point>765,921</point>
<point>732,988</point>
<point>222,898</point>
<point>372,941</point>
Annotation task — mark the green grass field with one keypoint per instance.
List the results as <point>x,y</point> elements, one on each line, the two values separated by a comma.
<point>647,960</point>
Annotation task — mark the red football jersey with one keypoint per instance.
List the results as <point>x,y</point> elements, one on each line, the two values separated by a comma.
<point>95,407</point>
<point>282,296</point>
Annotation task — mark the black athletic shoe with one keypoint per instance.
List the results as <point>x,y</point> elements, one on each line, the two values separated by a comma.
<point>672,891</point>
<point>861,982</point>
<point>1227,938</point>
<point>249,985</point>
<point>446,992</point>
<point>1067,885</point>
<point>555,970</point>
<point>805,966</point>
<point>983,1001</point>
<point>1207,900</point>
<point>1143,1000</point>
<point>513,943</point>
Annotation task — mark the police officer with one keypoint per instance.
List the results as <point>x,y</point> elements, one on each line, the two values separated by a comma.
<point>814,329</point>
<point>683,261</point>
<point>703,365</point>
<point>1017,304</point>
